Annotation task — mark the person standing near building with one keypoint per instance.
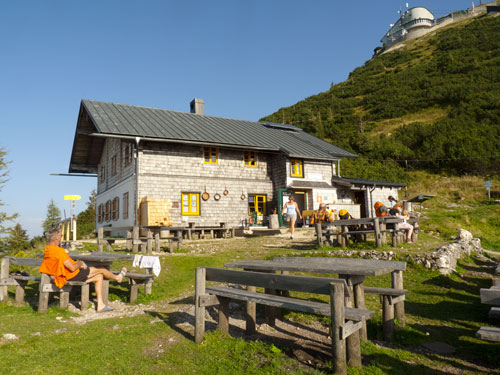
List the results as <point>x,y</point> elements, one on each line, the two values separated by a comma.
<point>292,210</point>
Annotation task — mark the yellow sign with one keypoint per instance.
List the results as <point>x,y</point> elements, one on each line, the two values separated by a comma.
<point>72,197</point>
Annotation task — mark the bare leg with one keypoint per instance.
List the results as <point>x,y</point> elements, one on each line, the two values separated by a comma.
<point>107,274</point>
<point>97,279</point>
<point>291,223</point>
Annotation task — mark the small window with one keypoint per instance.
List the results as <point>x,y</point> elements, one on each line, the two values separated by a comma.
<point>250,158</point>
<point>296,168</point>
<point>256,203</point>
<point>125,205</point>
<point>190,203</point>
<point>127,155</point>
<point>211,155</point>
<point>113,165</point>
<point>115,208</point>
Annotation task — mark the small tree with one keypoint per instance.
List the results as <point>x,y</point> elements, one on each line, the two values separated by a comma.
<point>86,219</point>
<point>53,216</point>
<point>3,179</point>
<point>18,239</point>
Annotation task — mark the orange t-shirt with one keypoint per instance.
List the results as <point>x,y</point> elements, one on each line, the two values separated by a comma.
<point>53,264</point>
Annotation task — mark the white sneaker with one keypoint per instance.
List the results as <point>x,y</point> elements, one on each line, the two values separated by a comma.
<point>291,237</point>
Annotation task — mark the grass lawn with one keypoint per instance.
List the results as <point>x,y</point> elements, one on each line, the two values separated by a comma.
<point>439,308</point>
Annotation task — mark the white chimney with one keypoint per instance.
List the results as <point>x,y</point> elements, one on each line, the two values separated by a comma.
<point>197,106</point>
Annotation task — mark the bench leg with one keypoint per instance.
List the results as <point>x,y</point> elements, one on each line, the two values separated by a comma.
<point>387,317</point>
<point>251,316</point>
<point>223,324</point>
<point>20,292</point>
<point>105,291</point>
<point>359,302</point>
<point>337,321</point>
<point>199,311</point>
<point>84,301</point>
<point>148,285</point>
<point>353,343</point>
<point>63,299</point>
<point>397,283</point>
<point>134,289</point>
<point>43,298</point>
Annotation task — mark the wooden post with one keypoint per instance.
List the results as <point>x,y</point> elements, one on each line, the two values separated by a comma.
<point>414,236</point>
<point>84,302</point>
<point>20,292</point>
<point>73,225</point>
<point>344,237</point>
<point>353,347</point>
<point>63,299</point>
<point>100,238</point>
<point>4,274</point>
<point>223,324</point>
<point>43,300</point>
<point>157,242</point>
<point>149,236</point>
<point>128,243</point>
<point>397,283</point>
<point>387,317</point>
<point>199,311</point>
<point>105,290</point>
<point>134,290</point>
<point>148,286</point>
<point>359,302</point>
<point>179,239</point>
<point>376,226</point>
<point>337,321</point>
<point>135,239</point>
<point>319,234</point>
<point>383,227</point>
<point>251,316</point>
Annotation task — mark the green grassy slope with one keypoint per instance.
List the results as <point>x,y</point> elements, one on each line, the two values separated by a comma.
<point>433,104</point>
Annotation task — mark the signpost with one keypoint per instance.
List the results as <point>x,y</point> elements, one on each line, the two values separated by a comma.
<point>487,185</point>
<point>72,198</point>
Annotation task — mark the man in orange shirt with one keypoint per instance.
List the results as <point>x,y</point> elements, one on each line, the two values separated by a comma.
<point>56,262</point>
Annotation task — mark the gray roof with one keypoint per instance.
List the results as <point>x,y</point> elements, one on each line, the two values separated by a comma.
<point>165,125</point>
<point>362,181</point>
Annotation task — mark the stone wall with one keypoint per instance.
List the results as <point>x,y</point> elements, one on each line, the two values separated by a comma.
<point>444,259</point>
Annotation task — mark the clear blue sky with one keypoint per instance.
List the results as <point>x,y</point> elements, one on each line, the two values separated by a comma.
<point>246,59</point>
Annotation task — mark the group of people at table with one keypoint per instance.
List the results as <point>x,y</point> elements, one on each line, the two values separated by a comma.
<point>322,215</point>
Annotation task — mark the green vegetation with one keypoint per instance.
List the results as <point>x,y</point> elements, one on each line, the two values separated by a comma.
<point>86,219</point>
<point>434,105</point>
<point>53,217</point>
<point>4,217</point>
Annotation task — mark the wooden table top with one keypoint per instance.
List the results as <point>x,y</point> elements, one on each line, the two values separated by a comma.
<point>100,257</point>
<point>341,267</point>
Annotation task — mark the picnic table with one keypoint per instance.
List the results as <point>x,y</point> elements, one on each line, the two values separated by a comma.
<point>357,229</point>
<point>354,271</point>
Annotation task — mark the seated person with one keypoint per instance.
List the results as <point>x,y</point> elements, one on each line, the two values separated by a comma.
<point>380,209</point>
<point>321,215</point>
<point>345,215</point>
<point>56,262</point>
<point>405,225</point>
<point>392,201</point>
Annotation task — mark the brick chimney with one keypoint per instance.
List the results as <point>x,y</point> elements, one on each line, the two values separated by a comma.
<point>197,106</point>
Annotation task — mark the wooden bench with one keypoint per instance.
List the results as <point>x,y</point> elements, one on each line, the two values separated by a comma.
<point>488,334</point>
<point>389,297</point>
<point>137,279</point>
<point>18,280</point>
<point>345,321</point>
<point>47,286</point>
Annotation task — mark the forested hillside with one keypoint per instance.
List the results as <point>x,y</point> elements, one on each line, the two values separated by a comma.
<point>433,104</point>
